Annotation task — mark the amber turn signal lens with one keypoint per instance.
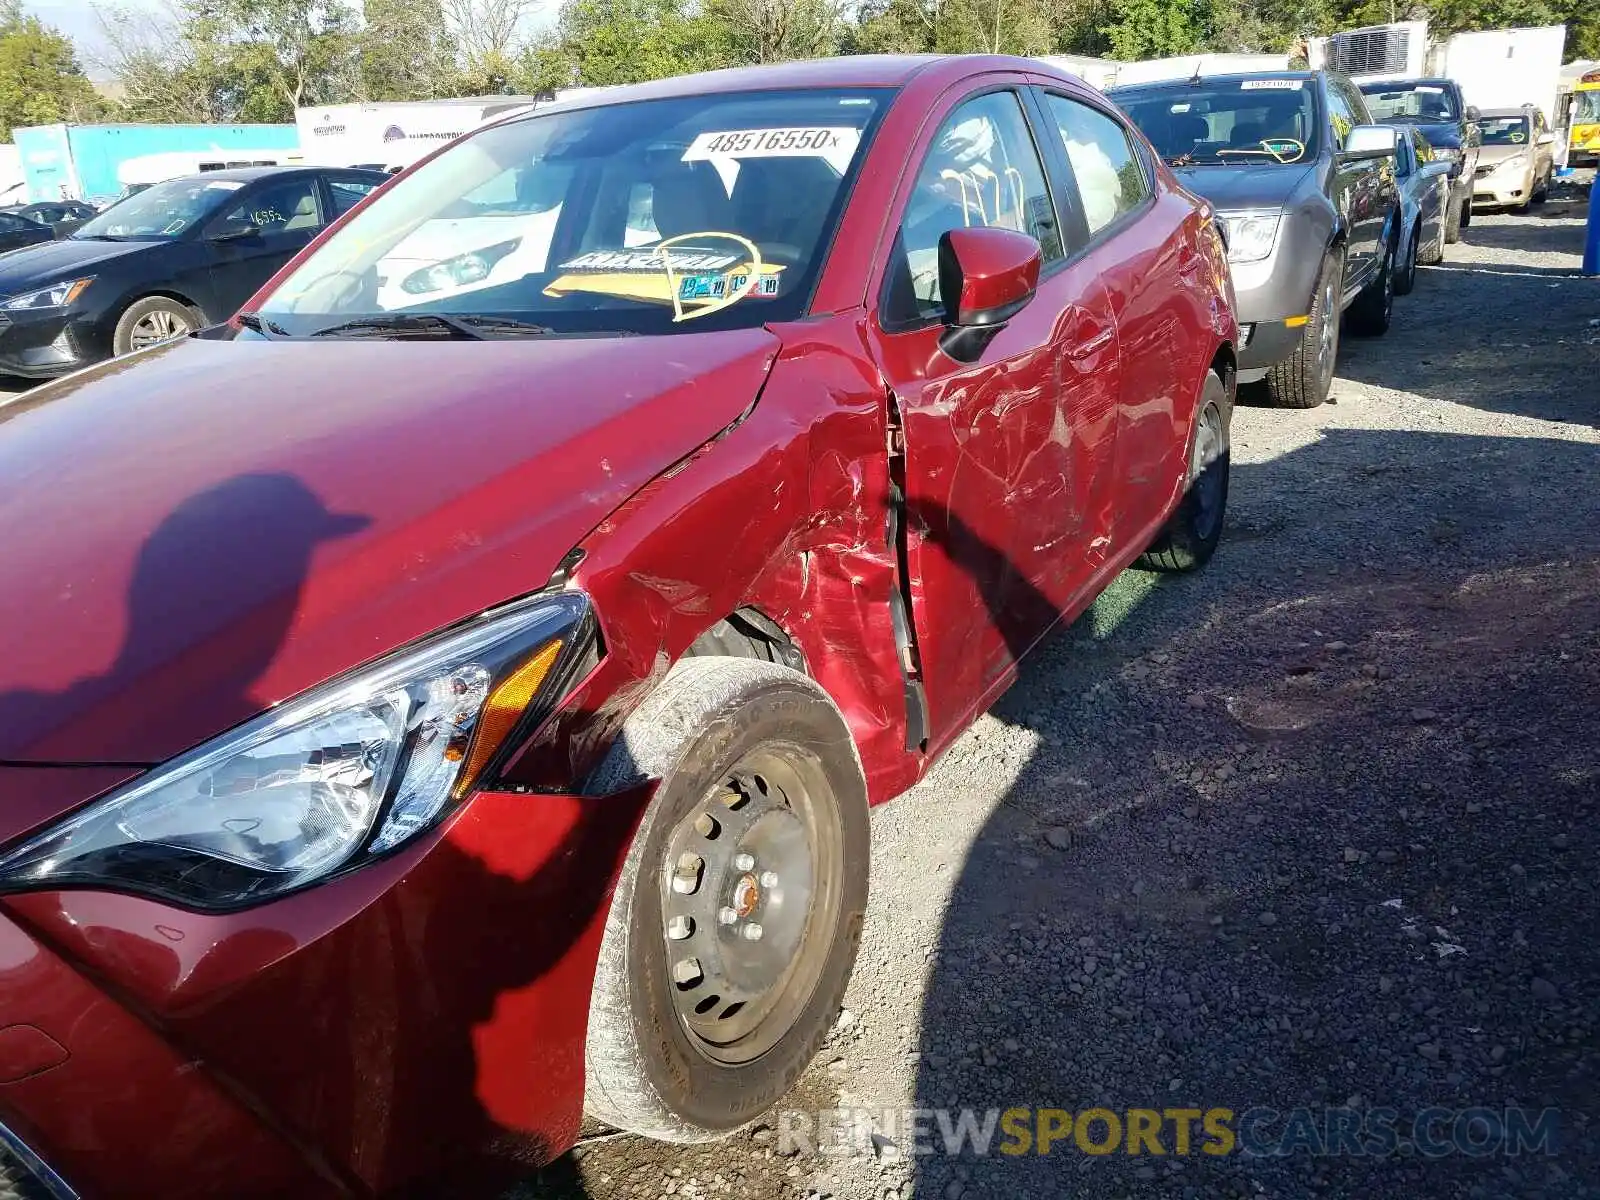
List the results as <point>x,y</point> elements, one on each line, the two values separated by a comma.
<point>503,710</point>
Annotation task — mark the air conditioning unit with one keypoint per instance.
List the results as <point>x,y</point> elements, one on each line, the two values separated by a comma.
<point>1379,51</point>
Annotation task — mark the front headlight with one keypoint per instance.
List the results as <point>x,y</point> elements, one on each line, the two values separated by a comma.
<point>1514,162</point>
<point>57,295</point>
<point>323,783</point>
<point>1251,235</point>
<point>472,267</point>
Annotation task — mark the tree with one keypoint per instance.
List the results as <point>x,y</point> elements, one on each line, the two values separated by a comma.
<point>167,66</point>
<point>491,36</point>
<point>627,41</point>
<point>40,79</point>
<point>406,51</point>
<point>765,31</point>
<point>306,51</point>
<point>1154,29</point>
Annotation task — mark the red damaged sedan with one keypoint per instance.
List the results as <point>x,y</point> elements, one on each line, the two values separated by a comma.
<point>447,700</point>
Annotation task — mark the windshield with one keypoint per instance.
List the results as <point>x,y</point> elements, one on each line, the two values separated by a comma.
<point>1586,107</point>
<point>161,211</point>
<point>1504,131</point>
<point>653,217</point>
<point>1240,121</point>
<point>1422,102</point>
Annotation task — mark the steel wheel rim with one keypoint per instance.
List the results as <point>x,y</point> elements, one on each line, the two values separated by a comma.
<point>1206,472</point>
<point>156,327</point>
<point>750,888</point>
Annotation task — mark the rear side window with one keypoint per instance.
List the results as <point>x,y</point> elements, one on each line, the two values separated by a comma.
<point>982,169</point>
<point>1110,174</point>
<point>347,193</point>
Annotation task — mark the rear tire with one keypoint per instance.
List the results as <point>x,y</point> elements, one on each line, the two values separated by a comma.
<point>1302,380</point>
<point>1191,534</point>
<point>1456,220</point>
<point>754,759</point>
<point>1407,278</point>
<point>1435,252</point>
<point>1374,308</point>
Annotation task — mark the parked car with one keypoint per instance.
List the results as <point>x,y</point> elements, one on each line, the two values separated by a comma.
<point>1517,161</point>
<point>160,264</point>
<point>1304,186</point>
<point>1438,110</point>
<point>1425,205</point>
<point>61,216</point>
<point>16,232</point>
<point>421,725</point>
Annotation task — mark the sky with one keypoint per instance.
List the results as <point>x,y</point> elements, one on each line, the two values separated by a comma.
<point>77,20</point>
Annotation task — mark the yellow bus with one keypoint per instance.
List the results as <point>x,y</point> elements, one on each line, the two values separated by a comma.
<point>1583,137</point>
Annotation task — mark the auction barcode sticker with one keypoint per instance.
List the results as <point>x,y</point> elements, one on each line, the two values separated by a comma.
<point>1272,85</point>
<point>836,144</point>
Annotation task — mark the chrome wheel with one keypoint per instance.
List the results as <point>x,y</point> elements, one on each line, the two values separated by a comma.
<point>751,875</point>
<point>1328,343</point>
<point>160,325</point>
<point>1208,473</point>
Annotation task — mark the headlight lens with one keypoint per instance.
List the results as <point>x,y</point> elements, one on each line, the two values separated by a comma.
<point>347,772</point>
<point>1519,159</point>
<point>472,267</point>
<point>1251,236</point>
<point>57,295</point>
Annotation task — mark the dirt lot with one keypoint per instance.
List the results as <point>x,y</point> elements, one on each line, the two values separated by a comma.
<point>1317,827</point>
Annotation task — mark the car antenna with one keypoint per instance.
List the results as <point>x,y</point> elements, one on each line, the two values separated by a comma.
<point>1194,79</point>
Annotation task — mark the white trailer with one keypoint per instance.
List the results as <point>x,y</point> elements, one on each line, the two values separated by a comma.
<point>1506,68</point>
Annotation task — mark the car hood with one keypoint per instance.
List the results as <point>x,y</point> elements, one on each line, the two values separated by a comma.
<point>207,529</point>
<point>1492,154</point>
<point>48,262</point>
<point>1231,188</point>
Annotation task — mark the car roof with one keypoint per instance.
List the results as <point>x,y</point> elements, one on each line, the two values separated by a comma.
<point>1231,77</point>
<point>846,71</point>
<point>251,174</point>
<point>1373,85</point>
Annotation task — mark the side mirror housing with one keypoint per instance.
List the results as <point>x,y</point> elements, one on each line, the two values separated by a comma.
<point>986,277</point>
<point>1473,112</point>
<point>1370,141</point>
<point>1547,139</point>
<point>233,231</point>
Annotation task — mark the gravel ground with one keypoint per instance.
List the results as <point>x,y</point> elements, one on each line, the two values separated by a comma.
<point>1315,827</point>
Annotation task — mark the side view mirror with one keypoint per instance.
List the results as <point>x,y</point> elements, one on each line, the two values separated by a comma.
<point>1547,139</point>
<point>1370,141</point>
<point>233,231</point>
<point>1473,112</point>
<point>986,277</point>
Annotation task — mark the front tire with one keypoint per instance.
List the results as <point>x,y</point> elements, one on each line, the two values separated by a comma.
<point>1456,220</point>
<point>1302,380</point>
<point>1191,534</point>
<point>735,922</point>
<point>1407,277</point>
<point>152,321</point>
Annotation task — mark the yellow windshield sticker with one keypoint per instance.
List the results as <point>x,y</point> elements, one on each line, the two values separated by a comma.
<point>696,281</point>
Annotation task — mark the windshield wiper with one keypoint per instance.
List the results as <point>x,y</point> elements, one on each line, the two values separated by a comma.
<point>462,328</point>
<point>256,323</point>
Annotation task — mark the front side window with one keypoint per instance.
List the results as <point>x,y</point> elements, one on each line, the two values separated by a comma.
<point>161,212</point>
<point>1586,107</point>
<point>710,211</point>
<point>1248,121</point>
<point>11,223</point>
<point>1341,113</point>
<point>1504,131</point>
<point>1110,176</point>
<point>280,208</point>
<point>983,169</point>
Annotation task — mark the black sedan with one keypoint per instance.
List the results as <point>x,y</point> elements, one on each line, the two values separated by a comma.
<point>60,216</point>
<point>16,232</point>
<point>162,263</point>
